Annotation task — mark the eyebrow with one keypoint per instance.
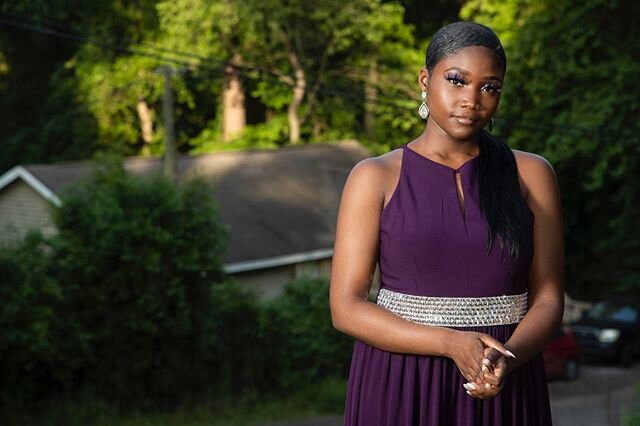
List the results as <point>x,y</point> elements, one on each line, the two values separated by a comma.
<point>464,71</point>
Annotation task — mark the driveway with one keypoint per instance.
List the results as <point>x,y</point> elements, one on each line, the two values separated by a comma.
<point>600,397</point>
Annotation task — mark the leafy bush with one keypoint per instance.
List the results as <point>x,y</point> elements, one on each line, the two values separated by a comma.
<point>235,340</point>
<point>276,346</point>
<point>301,339</point>
<point>127,306</point>
<point>27,320</point>
<point>136,259</point>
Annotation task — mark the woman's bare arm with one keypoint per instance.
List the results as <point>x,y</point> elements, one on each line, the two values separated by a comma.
<point>546,276</point>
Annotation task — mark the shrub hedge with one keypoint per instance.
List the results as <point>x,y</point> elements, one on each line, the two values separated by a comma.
<point>128,304</point>
<point>28,320</point>
<point>136,259</point>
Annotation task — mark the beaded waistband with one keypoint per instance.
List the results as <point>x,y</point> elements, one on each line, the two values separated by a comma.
<point>455,311</point>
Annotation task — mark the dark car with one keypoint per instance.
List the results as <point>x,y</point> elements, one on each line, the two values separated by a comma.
<point>561,355</point>
<point>611,329</point>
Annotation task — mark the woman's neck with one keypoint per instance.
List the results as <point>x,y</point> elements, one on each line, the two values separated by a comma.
<point>438,143</point>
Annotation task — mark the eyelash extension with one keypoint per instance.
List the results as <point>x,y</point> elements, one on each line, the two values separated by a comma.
<point>492,88</point>
<point>455,79</point>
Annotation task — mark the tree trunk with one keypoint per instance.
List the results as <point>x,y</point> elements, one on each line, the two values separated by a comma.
<point>292,112</point>
<point>234,114</point>
<point>145,115</point>
<point>370,99</point>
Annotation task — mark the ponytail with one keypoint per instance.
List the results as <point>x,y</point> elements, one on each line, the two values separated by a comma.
<point>501,202</point>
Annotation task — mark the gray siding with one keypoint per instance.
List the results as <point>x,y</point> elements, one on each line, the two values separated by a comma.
<point>22,209</point>
<point>268,283</point>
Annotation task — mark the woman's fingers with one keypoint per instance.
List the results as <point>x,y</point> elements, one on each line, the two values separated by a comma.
<point>493,343</point>
<point>492,379</point>
<point>467,353</point>
<point>486,383</point>
<point>491,356</point>
<point>486,391</point>
<point>493,369</point>
<point>477,359</point>
<point>488,388</point>
<point>497,375</point>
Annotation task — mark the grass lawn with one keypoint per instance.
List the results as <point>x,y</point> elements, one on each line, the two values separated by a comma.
<point>325,398</point>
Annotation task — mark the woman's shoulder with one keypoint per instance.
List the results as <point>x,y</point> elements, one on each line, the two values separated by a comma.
<point>379,167</point>
<point>530,163</point>
<point>534,171</point>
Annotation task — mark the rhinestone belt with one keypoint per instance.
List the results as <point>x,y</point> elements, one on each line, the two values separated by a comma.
<point>455,311</point>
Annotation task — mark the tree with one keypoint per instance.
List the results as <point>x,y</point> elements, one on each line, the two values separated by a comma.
<point>49,83</point>
<point>428,16</point>
<point>279,70</point>
<point>386,64</point>
<point>300,45</point>
<point>571,96</point>
<point>219,34</point>
<point>35,125</point>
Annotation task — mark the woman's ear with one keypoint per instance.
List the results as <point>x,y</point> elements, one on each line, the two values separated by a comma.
<point>423,80</point>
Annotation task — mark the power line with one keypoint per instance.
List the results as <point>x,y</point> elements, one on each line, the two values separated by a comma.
<point>206,63</point>
<point>94,42</point>
<point>184,60</point>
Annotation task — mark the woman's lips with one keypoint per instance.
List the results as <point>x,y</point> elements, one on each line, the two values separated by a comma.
<point>466,121</point>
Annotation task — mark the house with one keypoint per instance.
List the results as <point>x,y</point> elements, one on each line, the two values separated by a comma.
<point>279,205</point>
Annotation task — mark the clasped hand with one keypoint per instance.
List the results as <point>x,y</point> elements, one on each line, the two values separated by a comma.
<point>482,360</point>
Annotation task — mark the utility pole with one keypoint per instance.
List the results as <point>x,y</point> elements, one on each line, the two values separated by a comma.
<point>170,166</point>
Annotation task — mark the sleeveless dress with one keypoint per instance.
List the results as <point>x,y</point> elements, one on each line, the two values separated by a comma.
<point>430,247</point>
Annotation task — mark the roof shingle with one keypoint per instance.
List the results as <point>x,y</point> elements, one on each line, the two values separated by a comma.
<point>275,202</point>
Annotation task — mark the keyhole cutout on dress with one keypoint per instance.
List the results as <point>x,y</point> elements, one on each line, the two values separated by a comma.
<point>459,190</point>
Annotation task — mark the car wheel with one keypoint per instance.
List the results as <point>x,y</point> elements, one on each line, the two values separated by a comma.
<point>571,370</point>
<point>626,356</point>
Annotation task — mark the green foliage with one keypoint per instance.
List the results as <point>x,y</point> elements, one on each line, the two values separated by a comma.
<point>28,321</point>
<point>310,400</point>
<point>301,338</point>
<point>127,306</point>
<point>84,99</point>
<point>570,95</point>
<point>388,48</point>
<point>234,321</point>
<point>51,118</point>
<point>269,135</point>
<point>111,90</point>
<point>137,257</point>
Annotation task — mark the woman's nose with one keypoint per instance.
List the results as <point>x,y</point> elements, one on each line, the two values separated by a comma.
<point>470,99</point>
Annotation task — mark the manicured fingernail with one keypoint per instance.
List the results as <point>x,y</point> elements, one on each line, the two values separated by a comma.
<point>486,361</point>
<point>469,386</point>
<point>469,393</point>
<point>484,368</point>
<point>487,385</point>
<point>508,352</point>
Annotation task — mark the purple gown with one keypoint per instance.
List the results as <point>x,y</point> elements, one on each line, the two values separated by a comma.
<point>428,247</point>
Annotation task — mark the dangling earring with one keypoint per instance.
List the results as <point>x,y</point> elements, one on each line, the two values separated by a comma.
<point>424,109</point>
<point>491,123</point>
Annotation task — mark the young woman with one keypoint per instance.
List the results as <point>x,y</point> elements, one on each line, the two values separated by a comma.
<point>468,237</point>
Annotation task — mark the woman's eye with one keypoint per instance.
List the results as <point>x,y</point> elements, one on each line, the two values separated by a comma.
<point>456,81</point>
<point>492,88</point>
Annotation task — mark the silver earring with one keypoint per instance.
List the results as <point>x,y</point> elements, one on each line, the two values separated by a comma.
<point>424,109</point>
<point>491,123</point>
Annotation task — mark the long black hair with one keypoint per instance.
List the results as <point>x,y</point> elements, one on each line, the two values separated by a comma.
<point>501,202</point>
